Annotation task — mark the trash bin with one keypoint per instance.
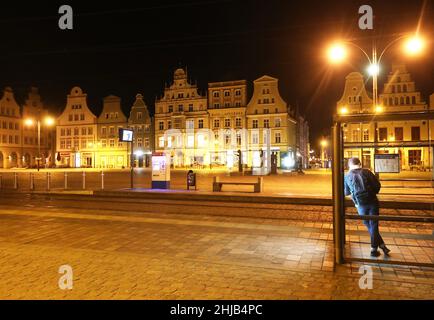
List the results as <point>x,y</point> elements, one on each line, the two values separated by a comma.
<point>191,180</point>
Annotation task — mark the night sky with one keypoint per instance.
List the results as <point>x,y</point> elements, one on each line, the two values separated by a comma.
<point>128,47</point>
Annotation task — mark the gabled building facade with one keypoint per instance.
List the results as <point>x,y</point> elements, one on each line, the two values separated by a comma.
<point>399,94</point>
<point>271,128</point>
<point>110,152</point>
<point>76,132</point>
<point>180,115</point>
<point>142,125</point>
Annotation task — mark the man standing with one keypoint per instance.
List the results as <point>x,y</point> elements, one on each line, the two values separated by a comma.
<point>363,187</point>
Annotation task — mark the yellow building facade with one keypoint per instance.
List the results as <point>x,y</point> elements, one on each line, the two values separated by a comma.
<point>181,123</point>
<point>271,128</point>
<point>76,132</point>
<point>109,151</point>
<point>399,94</point>
<point>227,104</point>
<point>19,142</point>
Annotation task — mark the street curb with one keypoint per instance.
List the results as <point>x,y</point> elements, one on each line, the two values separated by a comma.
<point>183,195</point>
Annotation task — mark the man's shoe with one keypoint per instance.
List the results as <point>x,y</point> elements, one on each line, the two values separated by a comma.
<point>375,253</point>
<point>385,249</point>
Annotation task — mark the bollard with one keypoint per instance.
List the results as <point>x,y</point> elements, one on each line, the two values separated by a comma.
<point>84,180</point>
<point>48,181</point>
<point>102,180</point>
<point>32,182</point>
<point>15,180</point>
<point>65,180</point>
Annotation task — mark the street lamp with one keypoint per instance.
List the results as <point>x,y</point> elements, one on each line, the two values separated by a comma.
<point>48,121</point>
<point>337,53</point>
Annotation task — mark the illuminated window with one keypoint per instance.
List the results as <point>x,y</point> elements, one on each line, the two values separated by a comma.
<point>255,137</point>
<point>200,141</point>
<point>277,137</point>
<point>277,122</point>
<point>190,141</point>
<point>189,124</point>
<point>366,135</point>
<point>238,138</point>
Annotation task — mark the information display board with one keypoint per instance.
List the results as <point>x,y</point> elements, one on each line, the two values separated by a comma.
<point>160,171</point>
<point>386,163</point>
<point>125,135</point>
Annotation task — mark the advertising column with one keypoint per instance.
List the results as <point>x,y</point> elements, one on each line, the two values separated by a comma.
<point>160,170</point>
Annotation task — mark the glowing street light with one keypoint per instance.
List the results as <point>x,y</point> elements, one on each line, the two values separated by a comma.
<point>337,53</point>
<point>378,108</point>
<point>343,110</point>
<point>414,46</point>
<point>29,122</point>
<point>373,70</point>
<point>48,121</point>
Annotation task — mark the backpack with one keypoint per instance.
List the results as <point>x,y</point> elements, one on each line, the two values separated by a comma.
<point>362,191</point>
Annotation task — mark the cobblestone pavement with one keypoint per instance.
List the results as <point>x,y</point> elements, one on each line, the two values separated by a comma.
<point>132,255</point>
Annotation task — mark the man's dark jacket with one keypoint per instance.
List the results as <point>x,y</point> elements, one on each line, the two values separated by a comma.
<point>362,185</point>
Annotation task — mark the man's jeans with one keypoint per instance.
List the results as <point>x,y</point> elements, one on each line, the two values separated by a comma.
<point>372,225</point>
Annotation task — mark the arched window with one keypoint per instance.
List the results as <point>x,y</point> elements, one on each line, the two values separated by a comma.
<point>396,102</point>
<point>407,100</point>
<point>401,101</point>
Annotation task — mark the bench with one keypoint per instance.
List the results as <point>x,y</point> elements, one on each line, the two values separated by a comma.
<point>257,186</point>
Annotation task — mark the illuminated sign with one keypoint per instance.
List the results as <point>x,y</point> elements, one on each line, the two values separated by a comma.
<point>125,135</point>
<point>386,163</point>
<point>160,171</point>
